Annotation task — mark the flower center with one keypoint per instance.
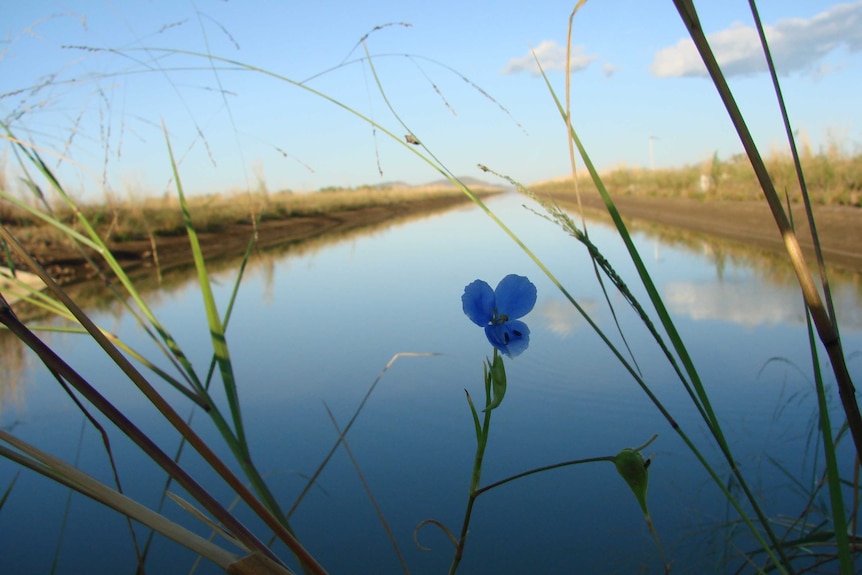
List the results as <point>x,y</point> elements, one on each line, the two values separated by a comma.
<point>499,318</point>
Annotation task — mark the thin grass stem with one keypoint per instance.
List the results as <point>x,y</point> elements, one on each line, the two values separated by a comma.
<point>48,356</point>
<point>825,328</point>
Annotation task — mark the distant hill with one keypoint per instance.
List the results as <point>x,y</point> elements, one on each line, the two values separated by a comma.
<point>436,184</point>
<point>467,180</point>
<point>392,184</point>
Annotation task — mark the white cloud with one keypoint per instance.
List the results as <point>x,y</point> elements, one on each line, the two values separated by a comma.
<point>609,69</point>
<point>796,44</point>
<point>552,56</point>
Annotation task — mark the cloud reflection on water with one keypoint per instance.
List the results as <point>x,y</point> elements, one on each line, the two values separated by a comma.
<point>561,318</point>
<point>743,304</point>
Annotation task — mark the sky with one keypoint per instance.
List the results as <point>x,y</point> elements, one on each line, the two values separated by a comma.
<point>290,93</point>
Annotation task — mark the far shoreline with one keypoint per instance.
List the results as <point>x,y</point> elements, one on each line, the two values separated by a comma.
<point>746,222</point>
<point>68,266</point>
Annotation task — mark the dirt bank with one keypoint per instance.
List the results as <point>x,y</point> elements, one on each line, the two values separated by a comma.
<point>749,223</point>
<point>838,227</point>
<point>66,264</point>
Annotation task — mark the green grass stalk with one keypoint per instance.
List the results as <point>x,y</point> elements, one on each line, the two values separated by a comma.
<point>217,331</point>
<point>237,445</point>
<point>62,369</point>
<point>482,431</point>
<point>95,242</point>
<point>702,399</point>
<point>826,329</point>
<point>274,522</point>
<point>836,499</point>
<point>833,478</point>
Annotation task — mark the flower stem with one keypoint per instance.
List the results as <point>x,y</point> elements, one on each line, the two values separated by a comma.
<point>481,443</point>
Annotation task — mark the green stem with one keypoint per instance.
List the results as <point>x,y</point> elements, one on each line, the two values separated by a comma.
<point>481,444</point>
<point>839,521</point>
<point>541,469</point>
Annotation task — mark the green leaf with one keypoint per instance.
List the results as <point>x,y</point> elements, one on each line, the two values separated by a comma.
<point>631,466</point>
<point>475,417</point>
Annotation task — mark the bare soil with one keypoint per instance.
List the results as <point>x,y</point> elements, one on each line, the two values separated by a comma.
<point>839,228</point>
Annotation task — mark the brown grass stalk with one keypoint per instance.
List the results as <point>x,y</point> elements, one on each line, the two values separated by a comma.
<point>826,328</point>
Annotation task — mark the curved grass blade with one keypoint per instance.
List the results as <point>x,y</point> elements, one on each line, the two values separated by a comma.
<point>93,241</point>
<point>347,427</point>
<point>368,492</point>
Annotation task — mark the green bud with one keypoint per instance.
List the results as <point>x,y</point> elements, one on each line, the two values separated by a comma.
<point>631,466</point>
<point>497,374</point>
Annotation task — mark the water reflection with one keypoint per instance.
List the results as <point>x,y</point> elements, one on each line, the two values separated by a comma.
<point>316,324</point>
<point>158,289</point>
<point>561,318</point>
<point>765,294</point>
<point>726,255</point>
<point>737,302</point>
<point>14,363</point>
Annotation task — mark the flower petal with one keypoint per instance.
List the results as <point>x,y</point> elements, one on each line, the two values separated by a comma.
<point>515,295</point>
<point>511,338</point>
<point>478,303</point>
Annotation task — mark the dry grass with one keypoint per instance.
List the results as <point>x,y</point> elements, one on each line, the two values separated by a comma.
<point>832,177</point>
<point>141,218</point>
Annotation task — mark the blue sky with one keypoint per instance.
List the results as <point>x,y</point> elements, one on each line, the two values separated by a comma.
<point>97,114</point>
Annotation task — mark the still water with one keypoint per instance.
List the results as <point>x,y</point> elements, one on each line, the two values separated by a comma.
<point>312,328</point>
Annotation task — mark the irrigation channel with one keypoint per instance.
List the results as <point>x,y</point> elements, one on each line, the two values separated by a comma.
<point>313,326</point>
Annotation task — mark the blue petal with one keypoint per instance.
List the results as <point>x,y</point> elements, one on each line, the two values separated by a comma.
<point>516,296</point>
<point>478,302</point>
<point>511,338</point>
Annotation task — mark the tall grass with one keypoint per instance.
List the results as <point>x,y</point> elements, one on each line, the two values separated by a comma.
<point>780,550</point>
<point>833,176</point>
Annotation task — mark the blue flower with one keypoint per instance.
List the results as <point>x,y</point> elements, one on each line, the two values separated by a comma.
<point>498,311</point>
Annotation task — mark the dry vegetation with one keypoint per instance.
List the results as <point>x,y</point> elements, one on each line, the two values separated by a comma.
<point>832,177</point>
<point>138,219</point>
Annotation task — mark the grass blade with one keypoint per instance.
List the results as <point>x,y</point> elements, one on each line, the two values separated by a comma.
<point>275,522</point>
<point>834,481</point>
<point>8,490</point>
<point>681,350</point>
<point>217,332</point>
<point>63,473</point>
<point>818,252</point>
<point>826,330</point>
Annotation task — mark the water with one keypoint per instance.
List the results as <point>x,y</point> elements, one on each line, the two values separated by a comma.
<point>312,330</point>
